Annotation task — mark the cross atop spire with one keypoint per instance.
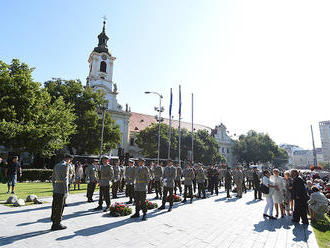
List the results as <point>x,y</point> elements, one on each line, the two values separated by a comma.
<point>103,39</point>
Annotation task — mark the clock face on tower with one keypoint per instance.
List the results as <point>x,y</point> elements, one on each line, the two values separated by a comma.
<point>104,57</point>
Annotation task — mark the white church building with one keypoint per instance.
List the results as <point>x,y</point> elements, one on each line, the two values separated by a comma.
<point>100,76</point>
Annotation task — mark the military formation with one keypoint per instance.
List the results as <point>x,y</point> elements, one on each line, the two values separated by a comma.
<point>138,179</point>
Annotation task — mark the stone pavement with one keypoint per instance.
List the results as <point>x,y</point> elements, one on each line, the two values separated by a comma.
<point>212,222</point>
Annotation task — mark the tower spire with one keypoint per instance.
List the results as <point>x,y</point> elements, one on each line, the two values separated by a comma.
<point>103,39</point>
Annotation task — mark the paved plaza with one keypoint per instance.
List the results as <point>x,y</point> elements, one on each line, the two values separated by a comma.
<point>212,222</point>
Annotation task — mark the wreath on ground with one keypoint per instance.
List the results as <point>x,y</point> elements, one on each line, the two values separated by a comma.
<point>151,205</point>
<point>176,198</point>
<point>120,209</point>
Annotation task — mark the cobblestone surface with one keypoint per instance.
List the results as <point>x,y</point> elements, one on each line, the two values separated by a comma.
<point>211,222</point>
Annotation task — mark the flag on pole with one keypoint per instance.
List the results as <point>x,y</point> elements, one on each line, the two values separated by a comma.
<point>179,101</point>
<point>171,99</point>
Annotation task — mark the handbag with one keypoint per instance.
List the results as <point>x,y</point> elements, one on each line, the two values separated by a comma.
<point>264,189</point>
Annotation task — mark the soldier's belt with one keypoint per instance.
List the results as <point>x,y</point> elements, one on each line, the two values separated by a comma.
<point>141,181</point>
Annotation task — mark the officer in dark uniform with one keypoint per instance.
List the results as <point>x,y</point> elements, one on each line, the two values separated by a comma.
<point>129,179</point>
<point>228,181</point>
<point>300,198</point>
<point>91,176</point>
<point>142,178</point>
<point>60,179</point>
<point>214,180</point>
<point>106,174</point>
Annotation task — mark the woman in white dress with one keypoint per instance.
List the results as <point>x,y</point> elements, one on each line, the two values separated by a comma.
<point>278,196</point>
<point>269,197</point>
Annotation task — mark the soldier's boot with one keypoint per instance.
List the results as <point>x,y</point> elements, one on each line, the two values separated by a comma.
<point>169,209</point>
<point>98,208</point>
<point>184,200</point>
<point>190,200</point>
<point>56,227</point>
<point>144,217</point>
<point>136,215</point>
<point>161,207</point>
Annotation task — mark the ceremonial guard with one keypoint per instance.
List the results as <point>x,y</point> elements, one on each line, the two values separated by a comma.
<point>169,177</point>
<point>200,179</point>
<point>158,174</point>
<point>116,179</point>
<point>213,179</point>
<point>228,181</point>
<point>129,178</point>
<point>106,175</point>
<point>256,184</point>
<point>142,178</point>
<point>60,179</point>
<point>222,173</point>
<point>91,179</point>
<point>250,173</point>
<point>188,174</point>
<point>178,178</point>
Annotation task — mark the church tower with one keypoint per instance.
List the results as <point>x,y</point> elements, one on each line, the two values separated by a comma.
<point>100,78</point>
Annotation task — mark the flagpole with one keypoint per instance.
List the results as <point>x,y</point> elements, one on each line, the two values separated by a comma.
<point>179,157</point>
<point>192,128</point>
<point>170,127</point>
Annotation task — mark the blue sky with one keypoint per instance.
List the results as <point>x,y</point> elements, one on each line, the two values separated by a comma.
<point>256,64</point>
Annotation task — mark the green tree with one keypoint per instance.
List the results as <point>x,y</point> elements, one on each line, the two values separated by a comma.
<point>259,148</point>
<point>205,146</point>
<point>29,120</point>
<point>86,104</point>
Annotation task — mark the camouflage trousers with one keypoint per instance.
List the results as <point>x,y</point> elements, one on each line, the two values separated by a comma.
<point>104,195</point>
<point>130,191</point>
<point>186,194</point>
<point>140,201</point>
<point>158,188</point>
<point>57,208</point>
<point>170,193</point>
<point>178,184</point>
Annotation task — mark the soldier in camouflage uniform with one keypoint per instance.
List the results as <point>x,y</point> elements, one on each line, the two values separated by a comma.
<point>238,179</point>
<point>91,178</point>
<point>106,174</point>
<point>169,177</point>
<point>151,173</point>
<point>188,174</point>
<point>60,179</point>
<point>200,179</point>
<point>116,179</point>
<point>142,178</point>
<point>178,178</point>
<point>129,178</point>
<point>158,175</point>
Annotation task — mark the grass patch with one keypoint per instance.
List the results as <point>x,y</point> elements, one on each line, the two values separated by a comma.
<point>322,231</point>
<point>41,190</point>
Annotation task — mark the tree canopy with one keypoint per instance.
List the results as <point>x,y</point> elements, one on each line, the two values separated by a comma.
<point>205,146</point>
<point>86,104</point>
<point>259,148</point>
<point>29,119</point>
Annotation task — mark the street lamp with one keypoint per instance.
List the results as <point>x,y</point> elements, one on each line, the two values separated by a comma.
<point>103,108</point>
<point>160,109</point>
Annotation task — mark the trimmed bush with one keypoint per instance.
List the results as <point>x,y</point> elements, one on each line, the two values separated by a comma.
<point>35,175</point>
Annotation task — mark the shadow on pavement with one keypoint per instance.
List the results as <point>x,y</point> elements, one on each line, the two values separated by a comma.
<point>220,199</point>
<point>272,225</point>
<point>14,238</point>
<point>251,202</point>
<point>65,217</point>
<point>301,232</point>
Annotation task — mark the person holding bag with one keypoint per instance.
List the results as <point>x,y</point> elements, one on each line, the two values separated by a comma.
<point>269,197</point>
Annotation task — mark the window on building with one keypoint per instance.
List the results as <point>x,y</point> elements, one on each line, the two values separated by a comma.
<point>103,67</point>
<point>131,142</point>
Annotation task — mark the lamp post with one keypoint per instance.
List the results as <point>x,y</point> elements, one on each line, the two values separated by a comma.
<point>103,108</point>
<point>160,109</point>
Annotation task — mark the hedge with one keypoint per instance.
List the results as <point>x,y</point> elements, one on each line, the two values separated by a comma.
<point>35,175</point>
